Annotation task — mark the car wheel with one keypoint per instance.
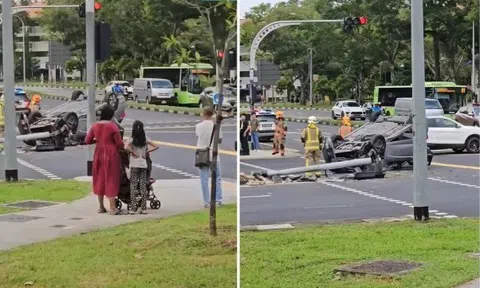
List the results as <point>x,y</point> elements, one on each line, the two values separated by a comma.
<point>458,150</point>
<point>363,118</point>
<point>379,144</point>
<point>333,116</point>
<point>72,121</point>
<point>472,144</point>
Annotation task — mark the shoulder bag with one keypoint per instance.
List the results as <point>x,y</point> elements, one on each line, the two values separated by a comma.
<point>202,155</point>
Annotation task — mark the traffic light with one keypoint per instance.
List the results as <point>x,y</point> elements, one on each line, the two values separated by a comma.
<point>350,23</point>
<point>82,10</point>
<point>220,55</point>
<point>232,58</point>
<point>103,33</point>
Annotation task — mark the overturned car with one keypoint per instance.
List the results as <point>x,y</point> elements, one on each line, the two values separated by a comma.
<point>390,138</point>
<point>64,125</point>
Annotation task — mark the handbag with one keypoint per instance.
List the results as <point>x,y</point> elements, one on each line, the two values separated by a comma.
<point>202,155</point>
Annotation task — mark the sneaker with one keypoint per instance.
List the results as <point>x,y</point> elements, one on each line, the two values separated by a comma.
<point>132,212</point>
<point>144,212</point>
<point>206,205</point>
<point>219,203</point>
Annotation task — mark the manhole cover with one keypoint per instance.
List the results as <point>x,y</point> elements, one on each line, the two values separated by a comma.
<point>17,218</point>
<point>31,204</point>
<point>58,226</point>
<point>380,268</point>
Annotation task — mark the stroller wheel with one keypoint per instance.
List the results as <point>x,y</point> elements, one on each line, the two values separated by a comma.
<point>118,204</point>
<point>155,204</point>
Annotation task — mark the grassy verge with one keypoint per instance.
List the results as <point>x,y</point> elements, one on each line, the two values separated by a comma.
<point>173,252</point>
<point>56,191</point>
<point>306,257</point>
<point>68,84</point>
<point>165,108</point>
<point>293,105</point>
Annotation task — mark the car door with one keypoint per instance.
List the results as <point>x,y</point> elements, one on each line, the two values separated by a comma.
<point>448,132</point>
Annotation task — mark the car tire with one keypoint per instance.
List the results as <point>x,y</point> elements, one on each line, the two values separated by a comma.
<point>473,144</point>
<point>76,95</point>
<point>336,140</point>
<point>363,118</point>
<point>71,119</point>
<point>379,143</point>
<point>458,150</point>
<point>333,116</point>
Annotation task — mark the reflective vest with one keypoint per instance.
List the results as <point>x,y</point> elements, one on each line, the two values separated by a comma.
<point>2,117</point>
<point>280,128</point>
<point>312,142</point>
<point>344,130</point>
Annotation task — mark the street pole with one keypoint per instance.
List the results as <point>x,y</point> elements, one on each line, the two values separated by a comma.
<point>24,48</point>
<point>90,32</point>
<point>420,206</point>
<point>10,148</point>
<point>478,68</point>
<point>310,73</point>
<point>473,58</point>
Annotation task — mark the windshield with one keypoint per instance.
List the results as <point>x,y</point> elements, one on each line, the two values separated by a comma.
<point>161,84</point>
<point>432,104</point>
<point>476,110</point>
<point>266,118</point>
<point>350,104</point>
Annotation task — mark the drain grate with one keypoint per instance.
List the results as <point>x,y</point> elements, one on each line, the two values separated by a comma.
<point>31,204</point>
<point>17,218</point>
<point>380,268</point>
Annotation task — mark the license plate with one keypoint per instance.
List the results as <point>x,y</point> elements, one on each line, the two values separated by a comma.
<point>267,126</point>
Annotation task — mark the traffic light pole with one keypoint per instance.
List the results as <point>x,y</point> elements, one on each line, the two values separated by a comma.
<point>261,35</point>
<point>420,206</point>
<point>11,165</point>
<point>90,33</point>
<point>310,75</point>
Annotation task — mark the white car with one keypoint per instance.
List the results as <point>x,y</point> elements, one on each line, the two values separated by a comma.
<point>127,88</point>
<point>266,119</point>
<point>445,133</point>
<point>349,108</point>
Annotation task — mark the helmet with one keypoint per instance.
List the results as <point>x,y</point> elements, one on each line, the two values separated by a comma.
<point>312,119</point>
<point>36,98</point>
<point>279,114</point>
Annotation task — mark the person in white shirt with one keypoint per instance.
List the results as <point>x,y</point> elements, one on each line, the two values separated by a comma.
<point>204,131</point>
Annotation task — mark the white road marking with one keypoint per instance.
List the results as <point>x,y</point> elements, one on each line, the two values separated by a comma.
<point>454,183</point>
<point>38,169</point>
<point>173,170</point>
<point>274,227</point>
<point>379,197</point>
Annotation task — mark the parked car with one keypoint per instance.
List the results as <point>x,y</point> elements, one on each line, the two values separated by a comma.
<point>127,88</point>
<point>469,115</point>
<point>445,133</point>
<point>22,100</point>
<point>404,107</point>
<point>350,108</point>
<point>154,90</point>
<point>266,119</point>
<point>229,100</point>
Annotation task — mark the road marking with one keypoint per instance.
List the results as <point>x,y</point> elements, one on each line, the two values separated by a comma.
<point>42,171</point>
<point>173,170</point>
<point>379,197</point>
<point>178,145</point>
<point>455,166</point>
<point>255,196</point>
<point>455,183</point>
<point>274,227</point>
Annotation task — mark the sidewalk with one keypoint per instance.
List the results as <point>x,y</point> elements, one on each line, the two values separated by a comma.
<point>473,284</point>
<point>81,216</point>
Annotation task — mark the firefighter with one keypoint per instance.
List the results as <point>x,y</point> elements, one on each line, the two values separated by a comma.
<point>346,127</point>
<point>280,133</point>
<point>312,142</point>
<point>35,103</point>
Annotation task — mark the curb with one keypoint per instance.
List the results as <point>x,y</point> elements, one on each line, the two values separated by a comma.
<point>292,108</point>
<point>55,86</point>
<point>154,109</point>
<point>321,122</point>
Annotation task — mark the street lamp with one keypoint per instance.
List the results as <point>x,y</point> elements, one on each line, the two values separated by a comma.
<point>24,48</point>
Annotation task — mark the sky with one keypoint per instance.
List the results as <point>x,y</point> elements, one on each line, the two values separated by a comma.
<point>245,5</point>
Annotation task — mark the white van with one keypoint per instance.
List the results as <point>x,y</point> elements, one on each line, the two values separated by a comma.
<point>152,90</point>
<point>404,107</point>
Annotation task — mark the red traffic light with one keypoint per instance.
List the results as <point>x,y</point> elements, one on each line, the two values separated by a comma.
<point>220,54</point>
<point>363,20</point>
<point>97,6</point>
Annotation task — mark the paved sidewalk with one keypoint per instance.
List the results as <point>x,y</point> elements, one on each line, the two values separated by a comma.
<point>473,284</point>
<point>81,216</point>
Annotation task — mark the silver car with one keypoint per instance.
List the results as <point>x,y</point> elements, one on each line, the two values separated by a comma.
<point>404,107</point>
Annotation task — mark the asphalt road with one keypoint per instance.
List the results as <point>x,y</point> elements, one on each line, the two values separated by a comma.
<point>174,160</point>
<point>453,191</point>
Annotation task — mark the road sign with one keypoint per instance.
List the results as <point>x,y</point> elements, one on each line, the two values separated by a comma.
<point>268,73</point>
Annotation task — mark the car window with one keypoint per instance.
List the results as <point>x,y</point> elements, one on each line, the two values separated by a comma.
<point>476,110</point>
<point>444,123</point>
<point>266,118</point>
<point>432,104</point>
<point>161,84</point>
<point>351,104</point>
<point>431,122</point>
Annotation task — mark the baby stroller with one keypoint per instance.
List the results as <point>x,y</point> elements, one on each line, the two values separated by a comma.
<point>125,192</point>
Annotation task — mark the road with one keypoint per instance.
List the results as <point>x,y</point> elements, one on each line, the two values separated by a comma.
<point>174,160</point>
<point>453,187</point>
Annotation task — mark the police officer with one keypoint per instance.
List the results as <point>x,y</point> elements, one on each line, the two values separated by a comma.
<point>280,134</point>
<point>312,140</point>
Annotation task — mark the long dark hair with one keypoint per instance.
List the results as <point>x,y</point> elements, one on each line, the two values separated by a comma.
<point>107,113</point>
<point>138,134</point>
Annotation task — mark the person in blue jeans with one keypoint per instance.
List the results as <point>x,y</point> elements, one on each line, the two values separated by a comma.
<point>204,131</point>
<point>254,127</point>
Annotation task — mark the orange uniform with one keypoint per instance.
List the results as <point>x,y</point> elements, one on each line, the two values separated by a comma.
<point>346,127</point>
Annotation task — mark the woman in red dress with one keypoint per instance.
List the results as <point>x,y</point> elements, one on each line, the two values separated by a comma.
<point>106,160</point>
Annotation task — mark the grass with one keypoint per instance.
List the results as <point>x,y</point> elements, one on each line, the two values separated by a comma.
<point>72,84</point>
<point>54,190</point>
<point>166,107</point>
<point>172,253</point>
<point>306,257</point>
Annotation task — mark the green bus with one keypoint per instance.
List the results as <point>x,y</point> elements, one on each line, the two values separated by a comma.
<point>185,79</point>
<point>450,95</point>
